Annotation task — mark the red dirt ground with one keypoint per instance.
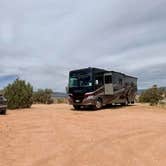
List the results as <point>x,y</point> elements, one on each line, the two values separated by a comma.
<point>56,135</point>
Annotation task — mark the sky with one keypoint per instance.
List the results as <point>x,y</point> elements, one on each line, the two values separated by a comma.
<point>41,41</point>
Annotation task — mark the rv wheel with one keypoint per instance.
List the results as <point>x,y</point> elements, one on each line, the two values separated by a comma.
<point>76,107</point>
<point>125,103</point>
<point>98,104</point>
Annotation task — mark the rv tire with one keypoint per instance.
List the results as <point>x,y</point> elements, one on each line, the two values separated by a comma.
<point>98,104</point>
<point>125,103</point>
<point>77,107</point>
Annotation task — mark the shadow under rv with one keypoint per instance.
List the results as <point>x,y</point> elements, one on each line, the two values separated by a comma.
<point>98,87</point>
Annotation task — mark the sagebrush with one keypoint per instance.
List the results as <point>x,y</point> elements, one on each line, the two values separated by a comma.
<point>43,96</point>
<point>19,94</point>
<point>152,95</point>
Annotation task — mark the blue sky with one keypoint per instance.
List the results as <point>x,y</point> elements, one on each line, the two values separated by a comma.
<point>40,41</point>
<point>5,80</point>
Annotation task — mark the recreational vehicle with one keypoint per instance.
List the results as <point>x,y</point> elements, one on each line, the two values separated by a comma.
<point>98,87</point>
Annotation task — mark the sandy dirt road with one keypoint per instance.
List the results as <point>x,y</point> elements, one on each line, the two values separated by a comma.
<point>56,135</point>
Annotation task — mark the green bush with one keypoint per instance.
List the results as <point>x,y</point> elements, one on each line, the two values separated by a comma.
<point>152,96</point>
<point>19,94</point>
<point>43,96</point>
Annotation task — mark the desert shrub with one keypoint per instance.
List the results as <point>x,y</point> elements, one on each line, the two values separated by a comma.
<point>19,94</point>
<point>43,96</point>
<point>60,100</point>
<point>152,96</point>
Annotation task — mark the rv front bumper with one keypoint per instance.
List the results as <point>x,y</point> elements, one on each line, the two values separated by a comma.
<point>86,101</point>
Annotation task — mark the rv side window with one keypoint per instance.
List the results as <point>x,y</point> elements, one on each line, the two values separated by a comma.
<point>99,80</point>
<point>120,81</point>
<point>108,79</point>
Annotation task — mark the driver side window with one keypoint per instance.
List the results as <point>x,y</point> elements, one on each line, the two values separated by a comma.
<point>98,80</point>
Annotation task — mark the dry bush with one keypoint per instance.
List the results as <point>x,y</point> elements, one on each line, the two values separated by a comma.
<point>152,95</point>
<point>43,96</point>
<point>60,100</point>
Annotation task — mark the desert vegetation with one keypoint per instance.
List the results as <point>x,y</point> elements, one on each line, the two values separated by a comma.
<point>19,94</point>
<point>60,100</point>
<point>43,96</point>
<point>153,95</point>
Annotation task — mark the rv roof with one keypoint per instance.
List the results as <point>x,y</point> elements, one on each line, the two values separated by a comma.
<point>124,74</point>
<point>103,70</point>
<point>89,68</point>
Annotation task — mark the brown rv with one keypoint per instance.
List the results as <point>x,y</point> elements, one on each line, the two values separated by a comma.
<point>98,87</point>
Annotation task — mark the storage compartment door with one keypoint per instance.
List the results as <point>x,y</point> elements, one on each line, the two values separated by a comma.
<point>108,86</point>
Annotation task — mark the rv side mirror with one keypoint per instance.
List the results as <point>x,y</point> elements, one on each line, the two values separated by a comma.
<point>97,82</point>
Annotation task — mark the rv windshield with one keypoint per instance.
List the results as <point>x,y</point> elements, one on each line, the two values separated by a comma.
<point>80,80</point>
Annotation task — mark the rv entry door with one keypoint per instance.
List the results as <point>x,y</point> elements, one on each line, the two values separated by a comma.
<point>108,86</point>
